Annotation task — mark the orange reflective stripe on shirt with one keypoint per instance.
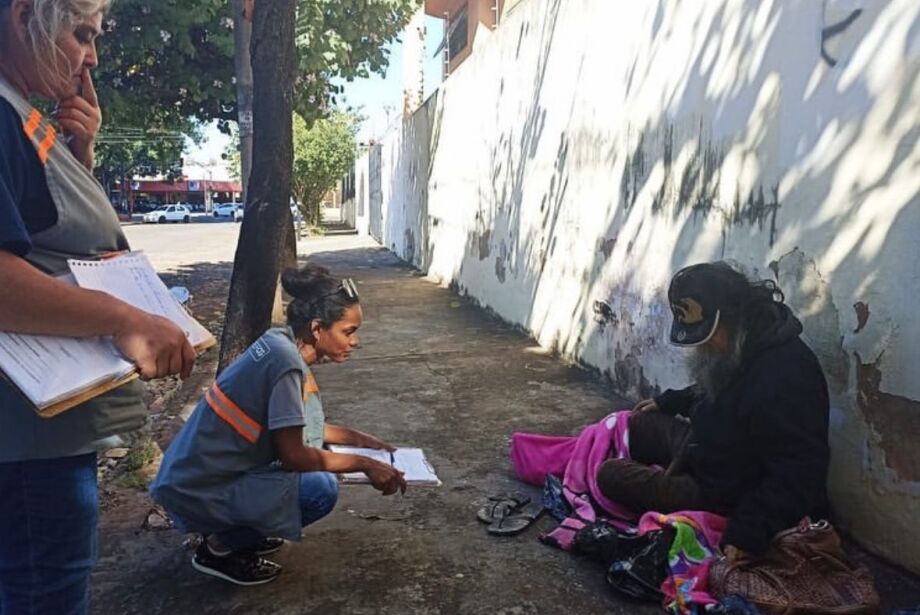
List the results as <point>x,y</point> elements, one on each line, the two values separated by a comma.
<point>32,124</point>
<point>309,386</point>
<point>47,144</point>
<point>224,407</point>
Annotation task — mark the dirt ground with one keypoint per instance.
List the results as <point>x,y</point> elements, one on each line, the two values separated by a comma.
<point>434,371</point>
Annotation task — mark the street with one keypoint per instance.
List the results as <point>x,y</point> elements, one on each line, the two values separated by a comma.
<point>204,240</point>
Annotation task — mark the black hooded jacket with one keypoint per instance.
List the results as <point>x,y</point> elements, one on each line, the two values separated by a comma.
<point>760,449</point>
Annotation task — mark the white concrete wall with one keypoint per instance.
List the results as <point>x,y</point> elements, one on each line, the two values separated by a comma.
<point>404,172</point>
<point>592,148</point>
<point>362,192</point>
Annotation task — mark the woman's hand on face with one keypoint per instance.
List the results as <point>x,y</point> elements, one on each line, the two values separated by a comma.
<point>386,479</point>
<point>645,405</point>
<point>81,118</point>
<point>156,346</point>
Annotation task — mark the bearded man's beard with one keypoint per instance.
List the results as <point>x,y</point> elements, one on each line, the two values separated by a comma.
<point>713,370</point>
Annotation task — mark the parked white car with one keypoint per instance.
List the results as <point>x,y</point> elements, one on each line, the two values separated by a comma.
<point>169,213</point>
<point>229,210</point>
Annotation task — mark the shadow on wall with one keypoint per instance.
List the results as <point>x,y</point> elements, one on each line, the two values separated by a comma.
<point>608,146</point>
<point>405,169</point>
<point>692,177</point>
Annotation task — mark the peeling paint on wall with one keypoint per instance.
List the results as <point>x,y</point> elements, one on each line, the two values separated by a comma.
<point>604,315</point>
<point>409,242</point>
<point>500,268</point>
<point>862,315</point>
<point>485,247</point>
<point>629,375</point>
<point>895,419</point>
<point>606,246</point>
<point>809,296</point>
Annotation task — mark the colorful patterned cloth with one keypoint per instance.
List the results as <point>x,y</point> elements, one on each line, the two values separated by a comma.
<point>694,549</point>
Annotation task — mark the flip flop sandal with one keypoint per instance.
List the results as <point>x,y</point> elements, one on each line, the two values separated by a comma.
<point>516,522</point>
<point>500,506</point>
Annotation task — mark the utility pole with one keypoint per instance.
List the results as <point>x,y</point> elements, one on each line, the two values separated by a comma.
<point>242,37</point>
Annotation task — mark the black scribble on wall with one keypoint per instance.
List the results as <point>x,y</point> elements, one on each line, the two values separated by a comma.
<point>757,209</point>
<point>699,182</point>
<point>831,31</point>
<point>667,160</point>
<point>634,174</point>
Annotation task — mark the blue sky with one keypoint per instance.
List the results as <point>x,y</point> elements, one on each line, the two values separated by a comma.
<point>379,98</point>
<point>377,94</point>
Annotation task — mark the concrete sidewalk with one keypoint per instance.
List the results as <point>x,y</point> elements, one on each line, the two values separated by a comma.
<point>437,372</point>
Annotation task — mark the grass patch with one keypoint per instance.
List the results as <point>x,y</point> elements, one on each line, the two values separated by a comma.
<point>140,456</point>
<point>135,469</point>
<point>134,480</point>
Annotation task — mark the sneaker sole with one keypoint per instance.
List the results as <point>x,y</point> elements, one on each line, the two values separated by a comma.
<point>229,579</point>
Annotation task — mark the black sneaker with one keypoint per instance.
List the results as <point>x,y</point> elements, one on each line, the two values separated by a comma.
<point>268,546</point>
<point>241,567</point>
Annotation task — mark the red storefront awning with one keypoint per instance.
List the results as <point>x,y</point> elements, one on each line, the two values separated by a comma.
<point>152,187</point>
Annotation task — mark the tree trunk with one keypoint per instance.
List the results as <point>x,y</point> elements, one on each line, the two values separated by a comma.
<point>242,37</point>
<point>263,247</point>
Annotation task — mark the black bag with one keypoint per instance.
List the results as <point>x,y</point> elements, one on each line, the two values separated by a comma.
<point>554,498</point>
<point>636,565</point>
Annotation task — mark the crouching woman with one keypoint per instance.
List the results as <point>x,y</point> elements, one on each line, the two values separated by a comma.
<point>248,469</point>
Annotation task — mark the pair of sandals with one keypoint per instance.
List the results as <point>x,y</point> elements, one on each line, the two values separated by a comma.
<point>509,514</point>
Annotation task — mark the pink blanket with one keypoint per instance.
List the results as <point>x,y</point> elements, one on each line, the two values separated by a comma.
<point>576,460</point>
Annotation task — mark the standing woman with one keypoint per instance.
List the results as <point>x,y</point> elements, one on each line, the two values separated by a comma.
<point>248,469</point>
<point>52,209</point>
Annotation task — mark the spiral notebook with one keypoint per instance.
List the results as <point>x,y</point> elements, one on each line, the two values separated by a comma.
<point>56,373</point>
<point>410,461</point>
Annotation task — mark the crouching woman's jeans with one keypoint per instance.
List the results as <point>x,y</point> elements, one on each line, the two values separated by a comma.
<point>48,516</point>
<point>319,491</point>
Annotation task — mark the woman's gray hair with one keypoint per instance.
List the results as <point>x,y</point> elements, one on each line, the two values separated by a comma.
<point>50,20</point>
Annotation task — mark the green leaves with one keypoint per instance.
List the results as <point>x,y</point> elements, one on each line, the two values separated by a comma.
<point>162,61</point>
<point>342,38</point>
<point>323,154</point>
<point>166,65</point>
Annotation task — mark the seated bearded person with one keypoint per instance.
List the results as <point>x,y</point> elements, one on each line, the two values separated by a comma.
<point>749,439</point>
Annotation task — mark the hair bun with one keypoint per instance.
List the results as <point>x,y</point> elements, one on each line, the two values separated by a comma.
<point>307,281</point>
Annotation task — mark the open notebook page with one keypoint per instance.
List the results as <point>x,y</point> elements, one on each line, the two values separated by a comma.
<point>410,461</point>
<point>131,278</point>
<point>49,368</point>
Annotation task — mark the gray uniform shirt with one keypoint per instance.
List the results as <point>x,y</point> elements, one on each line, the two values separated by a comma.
<point>86,227</point>
<point>221,470</point>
